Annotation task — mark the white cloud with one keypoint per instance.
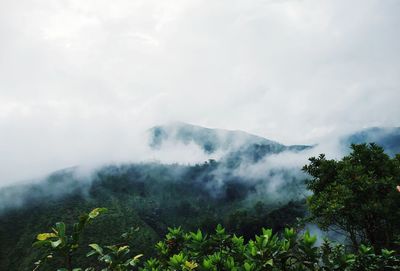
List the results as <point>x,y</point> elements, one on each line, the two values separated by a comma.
<point>79,80</point>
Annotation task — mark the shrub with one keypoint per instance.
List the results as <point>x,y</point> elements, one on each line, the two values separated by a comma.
<point>180,250</point>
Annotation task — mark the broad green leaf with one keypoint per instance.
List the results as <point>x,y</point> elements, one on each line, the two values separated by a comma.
<point>97,248</point>
<point>56,243</point>
<point>97,211</point>
<point>45,236</point>
<point>123,248</point>
<point>191,265</point>
<point>138,256</point>
<point>270,262</point>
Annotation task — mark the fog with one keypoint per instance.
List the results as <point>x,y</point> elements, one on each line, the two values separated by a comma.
<point>82,81</point>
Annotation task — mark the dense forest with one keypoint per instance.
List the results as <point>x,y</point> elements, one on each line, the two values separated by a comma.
<point>346,193</point>
<point>152,197</point>
<point>148,201</point>
<point>150,135</point>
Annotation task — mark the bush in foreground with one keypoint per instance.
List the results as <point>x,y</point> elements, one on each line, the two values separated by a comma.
<point>182,250</point>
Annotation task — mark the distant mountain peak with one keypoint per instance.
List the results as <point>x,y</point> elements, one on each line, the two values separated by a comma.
<point>237,145</point>
<point>210,140</point>
<point>386,137</point>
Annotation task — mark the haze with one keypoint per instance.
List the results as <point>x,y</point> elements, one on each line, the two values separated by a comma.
<point>80,81</point>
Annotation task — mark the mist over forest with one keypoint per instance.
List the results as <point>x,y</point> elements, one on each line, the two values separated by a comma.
<point>271,169</point>
<point>247,182</point>
<point>145,135</point>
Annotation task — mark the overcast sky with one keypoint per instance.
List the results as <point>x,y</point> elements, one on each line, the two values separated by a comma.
<point>80,79</point>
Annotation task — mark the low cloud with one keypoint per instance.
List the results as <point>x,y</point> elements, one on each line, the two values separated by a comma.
<point>81,80</point>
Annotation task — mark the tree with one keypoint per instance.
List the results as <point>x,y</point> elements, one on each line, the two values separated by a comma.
<point>357,195</point>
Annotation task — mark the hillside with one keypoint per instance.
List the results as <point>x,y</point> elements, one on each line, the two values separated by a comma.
<point>150,196</point>
<point>154,196</point>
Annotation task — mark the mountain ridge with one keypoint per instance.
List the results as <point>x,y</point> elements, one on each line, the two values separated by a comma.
<point>213,140</point>
<point>155,196</point>
<point>386,137</point>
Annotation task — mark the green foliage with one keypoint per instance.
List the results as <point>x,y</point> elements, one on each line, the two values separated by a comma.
<point>114,257</point>
<point>357,195</point>
<point>267,251</point>
<point>188,251</point>
<point>149,196</point>
<point>59,244</point>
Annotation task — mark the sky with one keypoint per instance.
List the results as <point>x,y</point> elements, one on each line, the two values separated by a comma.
<point>81,80</point>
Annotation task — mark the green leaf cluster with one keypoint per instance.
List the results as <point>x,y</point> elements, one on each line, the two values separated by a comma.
<point>266,251</point>
<point>181,250</point>
<point>357,195</point>
<point>60,244</point>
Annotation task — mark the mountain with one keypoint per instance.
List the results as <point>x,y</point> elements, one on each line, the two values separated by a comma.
<point>154,196</point>
<point>235,145</point>
<point>240,190</point>
<point>150,196</point>
<point>210,140</point>
<point>388,138</point>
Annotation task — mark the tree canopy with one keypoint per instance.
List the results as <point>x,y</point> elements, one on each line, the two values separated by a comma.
<point>357,195</point>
